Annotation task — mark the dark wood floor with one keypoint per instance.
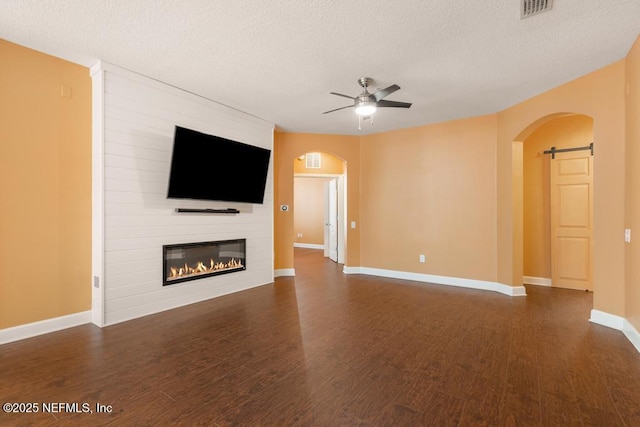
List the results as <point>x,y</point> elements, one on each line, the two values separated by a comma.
<point>325,349</point>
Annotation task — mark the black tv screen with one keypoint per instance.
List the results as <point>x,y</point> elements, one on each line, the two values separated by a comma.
<point>208,167</point>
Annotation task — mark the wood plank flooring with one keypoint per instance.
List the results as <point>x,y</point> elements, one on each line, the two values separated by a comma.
<point>325,349</point>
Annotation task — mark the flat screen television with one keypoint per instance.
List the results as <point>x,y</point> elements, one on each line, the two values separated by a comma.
<point>208,167</point>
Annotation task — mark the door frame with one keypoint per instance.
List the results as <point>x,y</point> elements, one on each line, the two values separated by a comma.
<point>329,210</point>
<point>342,211</point>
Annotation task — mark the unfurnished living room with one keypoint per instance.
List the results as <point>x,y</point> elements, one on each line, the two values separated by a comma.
<point>320,213</point>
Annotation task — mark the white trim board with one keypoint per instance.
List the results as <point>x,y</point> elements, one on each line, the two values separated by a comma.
<point>351,270</point>
<point>308,246</point>
<point>283,272</point>
<point>514,291</point>
<point>632,334</point>
<point>42,327</point>
<point>618,323</point>
<point>537,281</point>
<point>605,319</point>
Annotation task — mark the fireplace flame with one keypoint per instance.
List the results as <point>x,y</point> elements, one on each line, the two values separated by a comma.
<point>201,268</point>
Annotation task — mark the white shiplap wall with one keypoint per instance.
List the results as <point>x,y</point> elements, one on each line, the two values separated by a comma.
<point>134,119</point>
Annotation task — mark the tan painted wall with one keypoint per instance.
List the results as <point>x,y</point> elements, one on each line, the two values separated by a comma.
<point>329,165</point>
<point>431,190</point>
<point>599,95</point>
<point>562,132</point>
<point>45,183</point>
<point>308,218</point>
<point>632,220</point>
<point>287,147</point>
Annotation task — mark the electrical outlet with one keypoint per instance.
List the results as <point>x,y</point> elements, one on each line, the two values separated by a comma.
<point>627,235</point>
<point>299,234</point>
<point>422,258</point>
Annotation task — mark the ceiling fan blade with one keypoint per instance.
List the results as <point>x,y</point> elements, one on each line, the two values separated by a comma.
<point>385,103</point>
<point>340,94</point>
<point>341,108</point>
<point>384,92</point>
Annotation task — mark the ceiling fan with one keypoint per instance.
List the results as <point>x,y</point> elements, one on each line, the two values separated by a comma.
<point>366,103</point>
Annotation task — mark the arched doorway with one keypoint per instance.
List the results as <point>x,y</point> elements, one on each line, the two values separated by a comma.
<point>319,204</point>
<point>287,148</point>
<point>550,255</point>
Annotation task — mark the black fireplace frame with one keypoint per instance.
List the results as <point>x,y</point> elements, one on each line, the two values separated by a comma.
<point>165,248</point>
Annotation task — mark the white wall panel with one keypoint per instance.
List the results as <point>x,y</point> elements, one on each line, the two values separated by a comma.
<point>133,150</point>
<point>124,256</point>
<point>128,175</point>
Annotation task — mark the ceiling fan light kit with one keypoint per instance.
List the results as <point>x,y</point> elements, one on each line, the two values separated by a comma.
<point>366,108</point>
<point>366,103</point>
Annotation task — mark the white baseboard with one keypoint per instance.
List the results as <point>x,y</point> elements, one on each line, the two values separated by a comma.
<point>632,334</point>
<point>618,323</point>
<point>29,330</point>
<point>284,272</point>
<point>606,319</point>
<point>538,281</point>
<point>514,291</point>
<point>308,246</point>
<point>351,270</point>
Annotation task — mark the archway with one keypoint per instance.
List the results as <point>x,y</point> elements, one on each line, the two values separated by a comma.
<point>287,148</point>
<point>531,171</point>
<point>599,95</point>
<point>319,204</point>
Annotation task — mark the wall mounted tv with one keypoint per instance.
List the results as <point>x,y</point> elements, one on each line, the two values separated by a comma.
<point>208,167</point>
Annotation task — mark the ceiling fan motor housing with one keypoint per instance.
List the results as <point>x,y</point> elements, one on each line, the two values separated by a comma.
<point>365,82</point>
<point>365,100</point>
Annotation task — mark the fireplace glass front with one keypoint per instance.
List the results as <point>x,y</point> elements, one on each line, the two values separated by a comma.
<point>191,261</point>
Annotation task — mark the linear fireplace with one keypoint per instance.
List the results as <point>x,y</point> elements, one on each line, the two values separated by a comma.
<point>191,261</point>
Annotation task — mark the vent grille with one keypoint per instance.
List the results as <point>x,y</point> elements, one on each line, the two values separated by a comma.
<point>533,7</point>
<point>313,160</point>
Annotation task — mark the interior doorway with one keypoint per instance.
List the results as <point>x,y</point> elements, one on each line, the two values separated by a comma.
<point>331,219</point>
<point>320,204</point>
<point>557,203</point>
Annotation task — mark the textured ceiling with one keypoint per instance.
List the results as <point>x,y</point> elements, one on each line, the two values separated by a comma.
<point>279,59</point>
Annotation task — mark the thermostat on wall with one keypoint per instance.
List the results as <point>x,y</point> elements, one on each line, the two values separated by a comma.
<point>284,208</point>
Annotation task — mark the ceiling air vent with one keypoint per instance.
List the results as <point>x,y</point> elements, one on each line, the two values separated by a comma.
<point>533,7</point>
